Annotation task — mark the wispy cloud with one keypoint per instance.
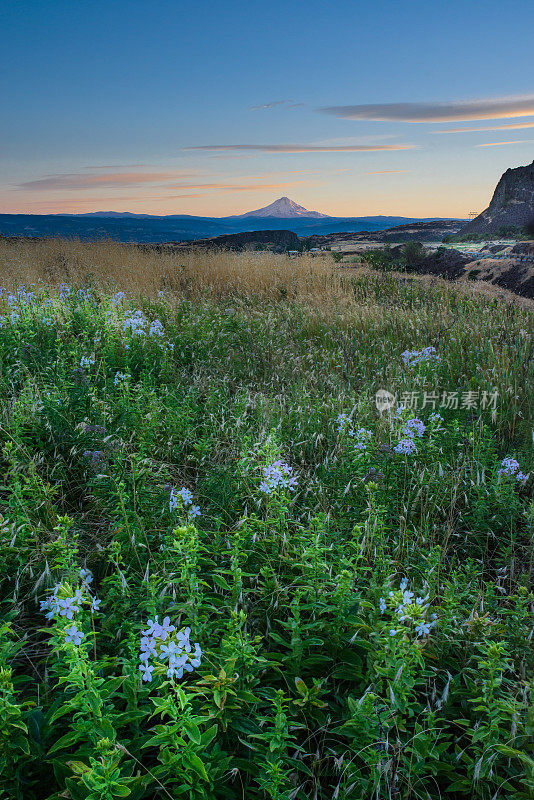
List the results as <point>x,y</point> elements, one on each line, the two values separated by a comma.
<point>498,144</point>
<point>273,104</point>
<point>78,180</point>
<point>162,180</point>
<point>242,187</point>
<point>462,110</point>
<point>386,171</point>
<point>114,166</point>
<point>302,148</point>
<point>512,126</point>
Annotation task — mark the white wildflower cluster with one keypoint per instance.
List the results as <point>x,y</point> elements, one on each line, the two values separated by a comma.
<point>63,604</point>
<point>509,466</point>
<point>411,611</point>
<point>187,502</point>
<point>169,650</point>
<point>413,357</point>
<point>277,475</point>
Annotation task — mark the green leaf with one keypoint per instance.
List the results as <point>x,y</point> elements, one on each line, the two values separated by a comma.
<point>119,790</point>
<point>197,765</point>
<point>192,731</point>
<point>72,737</point>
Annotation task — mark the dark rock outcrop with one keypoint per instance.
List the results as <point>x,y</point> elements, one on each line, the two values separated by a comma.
<point>511,207</point>
<point>280,241</point>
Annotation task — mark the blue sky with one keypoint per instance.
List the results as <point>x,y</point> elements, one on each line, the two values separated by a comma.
<point>350,108</point>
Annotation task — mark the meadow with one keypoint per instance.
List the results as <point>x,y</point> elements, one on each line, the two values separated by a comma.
<point>225,573</point>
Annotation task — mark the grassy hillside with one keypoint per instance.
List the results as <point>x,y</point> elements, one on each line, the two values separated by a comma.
<point>224,573</point>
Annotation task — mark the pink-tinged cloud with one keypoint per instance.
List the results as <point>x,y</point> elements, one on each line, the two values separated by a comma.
<point>303,148</point>
<point>132,180</point>
<point>510,127</point>
<point>498,144</point>
<point>463,110</point>
<point>76,180</point>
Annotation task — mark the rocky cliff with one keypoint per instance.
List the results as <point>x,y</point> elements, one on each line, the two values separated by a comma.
<point>512,204</point>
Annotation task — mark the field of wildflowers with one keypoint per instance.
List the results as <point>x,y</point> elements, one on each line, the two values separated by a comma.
<point>224,574</point>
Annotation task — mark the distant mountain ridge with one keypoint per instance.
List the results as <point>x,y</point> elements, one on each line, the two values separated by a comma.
<point>128,226</point>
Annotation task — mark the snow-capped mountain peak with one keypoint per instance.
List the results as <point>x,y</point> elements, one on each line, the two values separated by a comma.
<point>283,208</point>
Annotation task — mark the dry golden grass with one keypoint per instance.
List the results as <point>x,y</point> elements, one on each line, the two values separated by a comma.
<point>315,280</point>
<point>143,271</point>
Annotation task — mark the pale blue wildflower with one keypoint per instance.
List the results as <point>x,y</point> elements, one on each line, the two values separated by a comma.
<point>147,670</point>
<point>406,447</point>
<point>194,511</point>
<point>120,377</point>
<point>277,475</point>
<point>195,661</point>
<point>342,422</point>
<point>67,607</point>
<point>413,614</point>
<point>186,496</point>
<point>413,357</point>
<point>165,628</point>
<point>74,635</point>
<point>87,361</point>
<point>414,427</point>
<point>509,466</point>
<point>362,438</point>
<point>168,650</point>
<point>156,328</point>
<point>86,575</point>
<point>422,628</point>
<point>173,501</point>
<point>95,605</point>
<point>169,646</point>
<point>153,625</point>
